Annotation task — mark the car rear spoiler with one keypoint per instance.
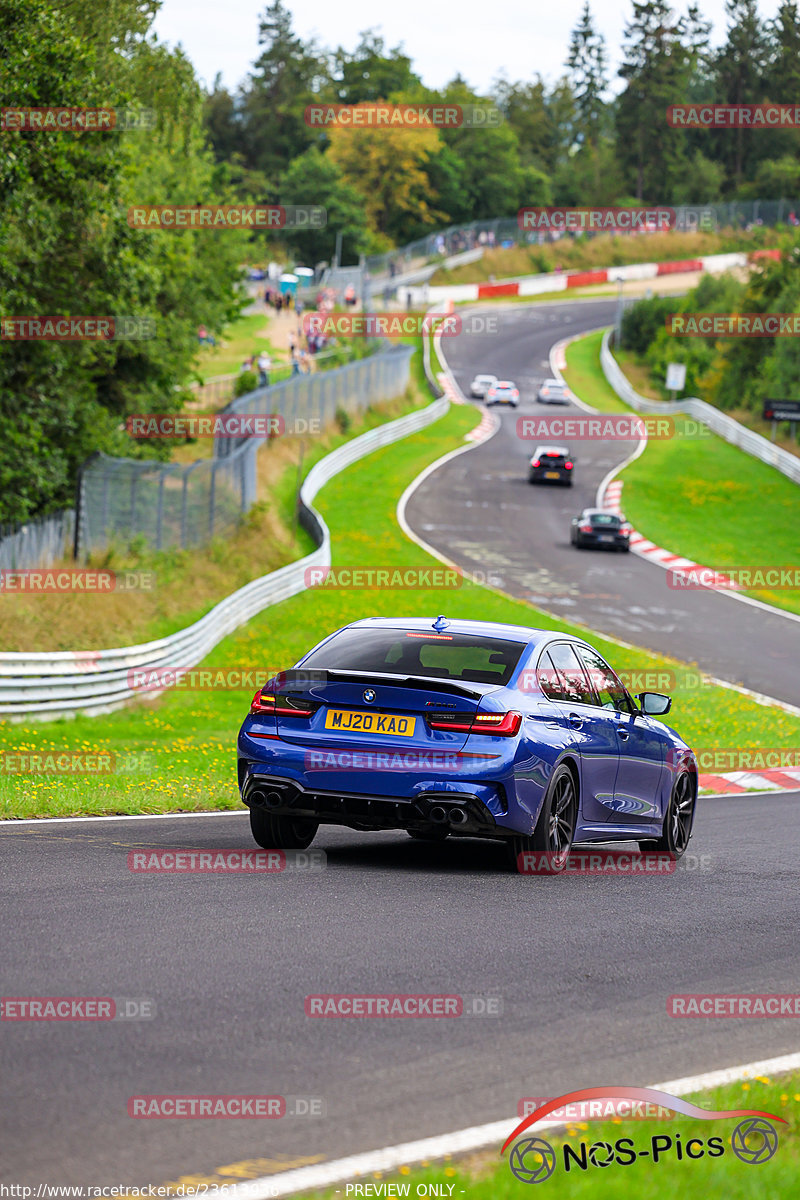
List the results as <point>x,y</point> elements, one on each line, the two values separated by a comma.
<point>299,678</point>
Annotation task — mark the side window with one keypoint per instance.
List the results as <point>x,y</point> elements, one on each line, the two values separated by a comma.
<point>611,692</point>
<point>548,679</point>
<point>573,678</point>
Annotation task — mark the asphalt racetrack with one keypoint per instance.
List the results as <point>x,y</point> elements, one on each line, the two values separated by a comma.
<point>481,512</point>
<point>581,966</point>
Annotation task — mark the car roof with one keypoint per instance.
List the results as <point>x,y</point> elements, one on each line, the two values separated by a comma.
<point>593,512</point>
<point>486,377</point>
<point>549,449</point>
<point>506,383</point>
<point>513,633</point>
<point>554,383</point>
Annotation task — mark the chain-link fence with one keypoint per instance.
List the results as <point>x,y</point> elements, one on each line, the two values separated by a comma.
<point>183,505</point>
<point>165,505</point>
<point>307,403</point>
<point>37,543</point>
<point>688,218</point>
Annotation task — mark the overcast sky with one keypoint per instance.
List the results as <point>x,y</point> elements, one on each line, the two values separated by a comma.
<point>522,38</point>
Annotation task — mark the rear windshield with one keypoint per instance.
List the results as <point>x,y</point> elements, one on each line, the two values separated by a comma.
<point>604,519</point>
<point>457,656</point>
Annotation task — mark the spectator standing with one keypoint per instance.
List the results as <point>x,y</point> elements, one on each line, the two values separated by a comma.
<point>264,366</point>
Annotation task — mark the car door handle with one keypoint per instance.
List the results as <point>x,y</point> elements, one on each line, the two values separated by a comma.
<point>575,720</point>
<point>623,733</point>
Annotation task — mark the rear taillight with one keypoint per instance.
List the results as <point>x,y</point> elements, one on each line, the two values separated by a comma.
<point>262,704</point>
<point>515,393</point>
<point>585,528</point>
<point>625,529</point>
<point>534,462</point>
<point>568,466</point>
<point>267,705</point>
<point>502,724</point>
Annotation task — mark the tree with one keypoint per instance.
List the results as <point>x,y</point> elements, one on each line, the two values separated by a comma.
<point>656,69</point>
<point>370,73</point>
<point>286,77</point>
<point>388,168</point>
<point>739,74</point>
<point>315,178</point>
<point>587,61</point>
<point>66,246</point>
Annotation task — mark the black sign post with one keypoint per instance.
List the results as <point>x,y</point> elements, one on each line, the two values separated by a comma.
<point>782,410</point>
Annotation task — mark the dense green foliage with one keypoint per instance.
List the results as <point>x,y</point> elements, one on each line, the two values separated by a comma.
<point>732,372</point>
<point>66,246</point>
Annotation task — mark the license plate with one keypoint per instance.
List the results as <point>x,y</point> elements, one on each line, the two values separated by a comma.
<point>606,537</point>
<point>381,724</point>
<point>551,475</point>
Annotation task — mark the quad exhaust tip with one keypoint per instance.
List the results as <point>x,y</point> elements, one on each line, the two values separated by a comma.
<point>266,799</point>
<point>457,816</point>
<point>438,814</point>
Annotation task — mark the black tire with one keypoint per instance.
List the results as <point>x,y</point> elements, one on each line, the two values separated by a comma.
<point>626,549</point>
<point>551,840</point>
<point>679,817</point>
<point>430,833</point>
<point>281,833</point>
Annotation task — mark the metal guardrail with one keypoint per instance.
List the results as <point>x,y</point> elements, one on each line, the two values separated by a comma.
<point>718,422</point>
<point>52,685</point>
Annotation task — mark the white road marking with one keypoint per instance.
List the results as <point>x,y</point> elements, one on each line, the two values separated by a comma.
<point>322,1175</point>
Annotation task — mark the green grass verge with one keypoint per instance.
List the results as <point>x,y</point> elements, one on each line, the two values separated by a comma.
<point>700,496</point>
<point>585,375</point>
<point>177,753</point>
<point>242,338</point>
<point>487,1176</point>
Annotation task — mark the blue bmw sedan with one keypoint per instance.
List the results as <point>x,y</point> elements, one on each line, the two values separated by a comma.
<point>464,728</point>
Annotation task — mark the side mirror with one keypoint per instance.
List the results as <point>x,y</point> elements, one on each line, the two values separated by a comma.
<point>653,704</point>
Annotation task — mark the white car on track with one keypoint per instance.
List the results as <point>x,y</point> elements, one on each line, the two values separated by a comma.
<point>480,385</point>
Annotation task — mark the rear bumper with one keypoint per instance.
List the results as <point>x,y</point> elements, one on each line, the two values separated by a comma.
<point>593,540</point>
<point>458,812</point>
<point>538,475</point>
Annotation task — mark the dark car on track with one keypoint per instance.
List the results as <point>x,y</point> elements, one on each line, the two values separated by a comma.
<point>551,464</point>
<point>469,728</point>
<point>596,527</point>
